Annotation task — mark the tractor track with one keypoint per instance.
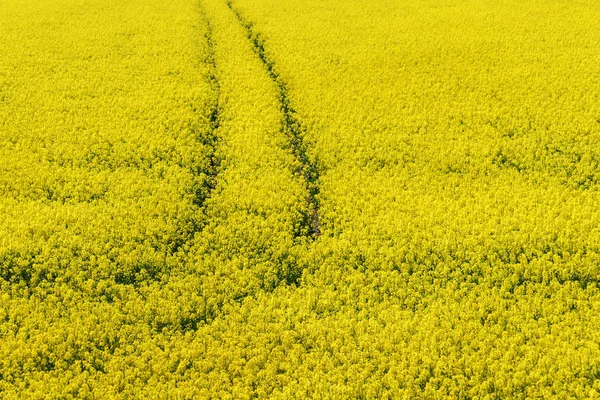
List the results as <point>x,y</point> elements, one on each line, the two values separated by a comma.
<point>215,112</point>
<point>209,139</point>
<point>291,128</point>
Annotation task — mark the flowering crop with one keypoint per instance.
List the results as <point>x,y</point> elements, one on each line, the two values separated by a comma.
<point>299,199</point>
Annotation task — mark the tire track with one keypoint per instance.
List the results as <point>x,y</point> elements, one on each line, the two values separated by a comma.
<point>292,129</point>
<point>210,141</point>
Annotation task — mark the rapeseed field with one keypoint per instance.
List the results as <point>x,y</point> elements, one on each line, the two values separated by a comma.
<point>299,199</point>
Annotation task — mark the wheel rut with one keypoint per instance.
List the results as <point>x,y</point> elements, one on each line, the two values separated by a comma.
<point>292,128</point>
<point>208,174</point>
<point>212,139</point>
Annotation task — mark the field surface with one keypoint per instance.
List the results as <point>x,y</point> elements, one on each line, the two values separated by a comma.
<point>299,199</point>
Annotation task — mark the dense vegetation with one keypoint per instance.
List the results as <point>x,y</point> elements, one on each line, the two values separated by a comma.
<point>298,199</point>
